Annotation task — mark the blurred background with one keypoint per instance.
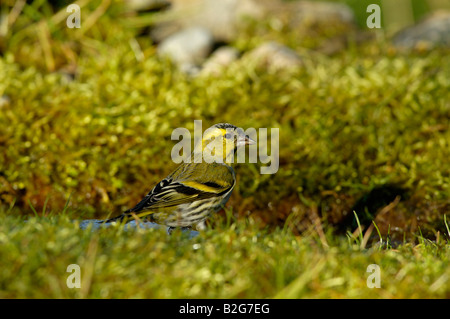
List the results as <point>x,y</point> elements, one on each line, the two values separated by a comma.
<point>86,114</point>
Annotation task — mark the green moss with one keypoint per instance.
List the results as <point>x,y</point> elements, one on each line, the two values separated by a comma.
<point>348,123</point>
<point>113,262</point>
<point>86,125</point>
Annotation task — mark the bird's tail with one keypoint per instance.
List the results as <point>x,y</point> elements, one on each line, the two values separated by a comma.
<point>127,216</point>
<point>122,218</point>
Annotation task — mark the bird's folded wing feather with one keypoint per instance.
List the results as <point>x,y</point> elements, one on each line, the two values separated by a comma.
<point>187,184</point>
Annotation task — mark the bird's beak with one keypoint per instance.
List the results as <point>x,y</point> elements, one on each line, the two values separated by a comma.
<point>244,140</point>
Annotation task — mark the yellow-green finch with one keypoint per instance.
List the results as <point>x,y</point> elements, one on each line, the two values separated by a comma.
<point>194,191</point>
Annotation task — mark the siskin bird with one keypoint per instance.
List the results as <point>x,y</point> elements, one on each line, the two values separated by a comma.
<point>194,191</point>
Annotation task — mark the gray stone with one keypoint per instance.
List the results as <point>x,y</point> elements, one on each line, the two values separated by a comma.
<point>309,12</point>
<point>188,48</point>
<point>219,60</point>
<point>274,56</point>
<point>221,17</point>
<point>434,31</point>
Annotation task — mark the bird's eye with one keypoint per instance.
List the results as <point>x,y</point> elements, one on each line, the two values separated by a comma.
<point>227,136</point>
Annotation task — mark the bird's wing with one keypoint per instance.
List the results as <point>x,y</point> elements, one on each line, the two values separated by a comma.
<point>189,183</point>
